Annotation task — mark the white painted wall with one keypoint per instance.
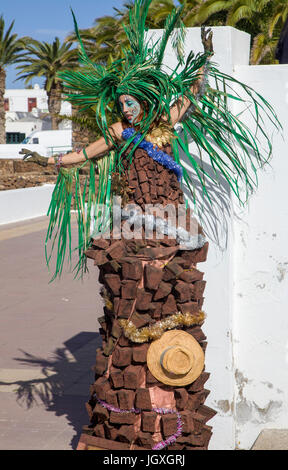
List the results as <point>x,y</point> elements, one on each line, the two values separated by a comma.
<point>23,204</point>
<point>12,150</point>
<point>26,127</point>
<point>18,99</point>
<point>231,46</point>
<point>246,272</point>
<point>260,297</point>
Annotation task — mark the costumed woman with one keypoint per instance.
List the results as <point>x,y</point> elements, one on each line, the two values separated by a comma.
<point>149,373</point>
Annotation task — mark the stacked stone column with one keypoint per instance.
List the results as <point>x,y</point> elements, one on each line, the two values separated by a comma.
<point>146,281</point>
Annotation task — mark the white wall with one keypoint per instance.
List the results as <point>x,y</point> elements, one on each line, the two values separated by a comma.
<point>26,127</point>
<point>18,100</point>
<point>260,279</point>
<point>246,271</point>
<point>22,204</point>
<point>231,46</point>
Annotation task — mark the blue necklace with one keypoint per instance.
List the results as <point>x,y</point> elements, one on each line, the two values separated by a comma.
<point>158,155</point>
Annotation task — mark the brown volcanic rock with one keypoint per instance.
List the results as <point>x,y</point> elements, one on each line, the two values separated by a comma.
<point>122,418</point>
<point>145,291</point>
<point>163,291</point>
<point>132,376</point>
<point>126,433</point>
<point>114,283</point>
<point>169,306</point>
<point>128,289</point>
<point>117,379</point>
<point>149,421</point>
<point>181,398</point>
<point>169,424</point>
<point>126,399</point>
<point>153,277</point>
<point>191,275</point>
<point>132,269</point>
<point>121,357</point>
<point>124,308</point>
<point>143,300</point>
<point>144,439</point>
<point>143,399</point>
<point>139,353</point>
<point>101,387</point>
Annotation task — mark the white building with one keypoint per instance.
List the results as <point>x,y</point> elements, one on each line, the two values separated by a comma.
<point>26,111</point>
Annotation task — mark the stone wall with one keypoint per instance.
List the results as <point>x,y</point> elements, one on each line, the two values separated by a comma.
<point>81,134</point>
<point>15,174</point>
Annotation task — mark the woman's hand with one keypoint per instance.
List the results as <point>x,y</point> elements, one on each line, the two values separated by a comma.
<point>206,36</point>
<point>34,157</point>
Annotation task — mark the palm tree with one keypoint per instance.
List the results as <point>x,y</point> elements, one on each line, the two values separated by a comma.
<point>106,39</point>
<point>46,60</point>
<point>280,14</point>
<point>234,10</point>
<point>11,51</point>
<point>103,41</point>
<point>263,19</point>
<point>158,12</point>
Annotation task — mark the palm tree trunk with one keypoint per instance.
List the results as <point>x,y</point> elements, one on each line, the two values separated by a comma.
<point>54,104</point>
<point>81,135</point>
<point>2,111</point>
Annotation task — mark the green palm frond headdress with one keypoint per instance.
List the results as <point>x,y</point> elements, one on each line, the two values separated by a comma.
<point>138,73</point>
<point>233,149</point>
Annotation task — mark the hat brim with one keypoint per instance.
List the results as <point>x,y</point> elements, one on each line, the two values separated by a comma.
<point>173,338</point>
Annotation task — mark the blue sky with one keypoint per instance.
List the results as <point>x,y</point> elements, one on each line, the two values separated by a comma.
<point>45,20</point>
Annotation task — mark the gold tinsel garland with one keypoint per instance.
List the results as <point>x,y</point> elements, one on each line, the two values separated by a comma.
<point>161,135</point>
<point>156,330</point>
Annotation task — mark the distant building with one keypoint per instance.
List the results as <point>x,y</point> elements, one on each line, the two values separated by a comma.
<point>26,111</point>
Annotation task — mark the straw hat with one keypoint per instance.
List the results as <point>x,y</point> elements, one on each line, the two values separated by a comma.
<point>176,358</point>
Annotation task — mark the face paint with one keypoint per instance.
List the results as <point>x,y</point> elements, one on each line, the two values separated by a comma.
<point>130,107</point>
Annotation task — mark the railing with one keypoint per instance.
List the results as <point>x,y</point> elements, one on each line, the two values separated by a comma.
<point>56,148</point>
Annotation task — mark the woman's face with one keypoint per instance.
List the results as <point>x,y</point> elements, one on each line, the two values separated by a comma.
<point>130,107</point>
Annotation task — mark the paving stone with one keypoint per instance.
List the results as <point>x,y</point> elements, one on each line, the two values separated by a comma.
<point>271,439</point>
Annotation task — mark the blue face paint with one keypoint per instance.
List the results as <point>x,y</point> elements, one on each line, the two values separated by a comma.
<point>130,107</point>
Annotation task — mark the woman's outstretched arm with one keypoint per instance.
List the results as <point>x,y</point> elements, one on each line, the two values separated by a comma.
<point>95,150</point>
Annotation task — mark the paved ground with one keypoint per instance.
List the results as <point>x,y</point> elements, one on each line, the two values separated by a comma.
<point>272,439</point>
<point>48,338</point>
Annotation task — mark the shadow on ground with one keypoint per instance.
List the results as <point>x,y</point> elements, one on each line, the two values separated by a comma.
<point>63,387</point>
